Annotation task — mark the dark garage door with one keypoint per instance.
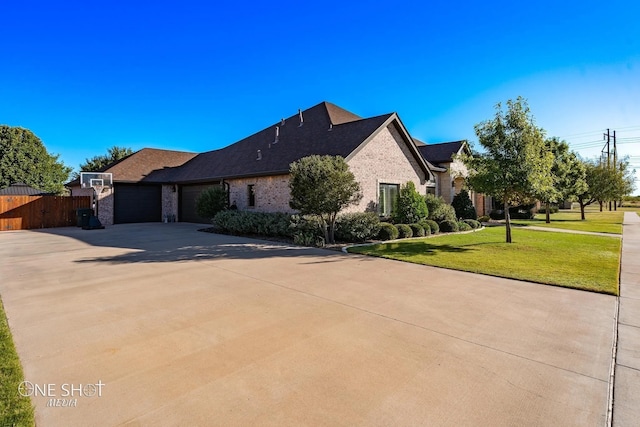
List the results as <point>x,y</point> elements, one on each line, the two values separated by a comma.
<point>188,196</point>
<point>137,203</point>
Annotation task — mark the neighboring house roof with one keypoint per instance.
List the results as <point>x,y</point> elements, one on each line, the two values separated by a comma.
<point>442,152</point>
<point>20,189</point>
<point>326,129</point>
<point>137,167</point>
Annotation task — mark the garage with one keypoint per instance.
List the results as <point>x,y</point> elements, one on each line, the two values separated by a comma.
<point>137,203</point>
<point>188,196</point>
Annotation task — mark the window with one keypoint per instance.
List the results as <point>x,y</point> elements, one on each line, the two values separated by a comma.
<point>251,191</point>
<point>388,196</point>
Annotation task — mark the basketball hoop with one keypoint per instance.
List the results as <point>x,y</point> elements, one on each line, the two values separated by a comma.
<point>98,181</point>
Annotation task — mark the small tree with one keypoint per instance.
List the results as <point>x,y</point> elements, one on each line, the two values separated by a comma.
<point>410,206</point>
<point>568,174</point>
<point>323,186</point>
<point>516,166</point>
<point>463,206</point>
<point>211,201</point>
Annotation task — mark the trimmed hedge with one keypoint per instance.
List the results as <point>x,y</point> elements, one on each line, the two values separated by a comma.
<point>463,226</point>
<point>388,231</point>
<point>433,226</point>
<point>404,231</point>
<point>447,226</point>
<point>472,223</point>
<point>260,223</point>
<point>516,212</point>
<point>426,227</point>
<point>357,226</point>
<point>484,218</point>
<point>418,230</point>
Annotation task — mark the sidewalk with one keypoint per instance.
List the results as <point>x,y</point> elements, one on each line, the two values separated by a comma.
<point>626,394</point>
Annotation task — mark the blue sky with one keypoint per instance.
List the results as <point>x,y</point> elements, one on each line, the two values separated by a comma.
<point>196,75</point>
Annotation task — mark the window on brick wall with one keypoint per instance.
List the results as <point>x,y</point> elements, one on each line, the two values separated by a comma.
<point>251,192</point>
<point>388,196</point>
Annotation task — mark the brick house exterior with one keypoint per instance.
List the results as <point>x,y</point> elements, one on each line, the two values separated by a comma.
<point>157,185</point>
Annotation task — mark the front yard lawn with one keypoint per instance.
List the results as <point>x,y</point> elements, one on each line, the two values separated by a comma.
<point>571,260</point>
<point>601,222</point>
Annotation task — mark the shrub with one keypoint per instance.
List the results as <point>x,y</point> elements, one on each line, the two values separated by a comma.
<point>472,223</point>
<point>404,231</point>
<point>357,227</point>
<point>260,223</point>
<point>410,206</point>
<point>433,226</point>
<point>417,229</point>
<point>306,230</point>
<point>484,218</point>
<point>552,209</point>
<point>425,227</point>
<point>448,226</point>
<point>496,214</point>
<point>438,209</point>
<point>211,201</point>
<point>387,231</point>
<point>463,226</point>
<point>515,212</point>
<point>463,206</point>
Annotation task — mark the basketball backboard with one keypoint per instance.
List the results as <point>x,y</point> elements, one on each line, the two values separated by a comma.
<point>96,180</point>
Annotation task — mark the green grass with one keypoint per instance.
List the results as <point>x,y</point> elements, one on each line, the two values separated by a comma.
<point>600,222</point>
<point>15,410</point>
<point>571,260</point>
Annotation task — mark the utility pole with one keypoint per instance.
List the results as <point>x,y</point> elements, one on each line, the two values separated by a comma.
<point>615,163</point>
<point>607,136</point>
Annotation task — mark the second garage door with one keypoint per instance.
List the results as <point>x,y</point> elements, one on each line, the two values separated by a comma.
<point>188,196</point>
<point>137,203</point>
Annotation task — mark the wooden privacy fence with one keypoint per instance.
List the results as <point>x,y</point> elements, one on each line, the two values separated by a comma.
<point>27,212</point>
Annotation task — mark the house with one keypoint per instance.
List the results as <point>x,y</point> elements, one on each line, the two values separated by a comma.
<point>152,185</point>
<point>451,180</point>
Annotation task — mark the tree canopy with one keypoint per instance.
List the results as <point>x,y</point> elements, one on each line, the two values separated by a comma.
<point>323,186</point>
<point>568,173</point>
<point>515,165</point>
<point>98,163</point>
<point>24,158</point>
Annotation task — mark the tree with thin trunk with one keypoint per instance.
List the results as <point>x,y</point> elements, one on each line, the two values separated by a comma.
<point>568,174</point>
<point>515,165</point>
<point>323,186</point>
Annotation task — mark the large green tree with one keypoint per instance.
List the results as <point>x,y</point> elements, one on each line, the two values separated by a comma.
<point>323,186</point>
<point>515,165</point>
<point>98,163</point>
<point>24,158</point>
<point>568,173</point>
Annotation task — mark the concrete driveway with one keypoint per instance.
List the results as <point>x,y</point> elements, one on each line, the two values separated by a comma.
<point>158,324</point>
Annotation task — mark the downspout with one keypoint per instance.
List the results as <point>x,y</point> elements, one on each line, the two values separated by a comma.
<point>228,191</point>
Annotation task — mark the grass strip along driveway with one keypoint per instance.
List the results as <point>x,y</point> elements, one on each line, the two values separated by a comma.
<point>571,260</point>
<point>15,410</point>
<point>598,222</point>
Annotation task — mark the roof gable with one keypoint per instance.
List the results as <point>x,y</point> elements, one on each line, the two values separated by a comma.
<point>442,152</point>
<point>326,129</point>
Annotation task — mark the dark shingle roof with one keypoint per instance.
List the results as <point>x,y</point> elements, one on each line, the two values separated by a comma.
<point>327,130</point>
<point>20,189</point>
<point>140,165</point>
<point>440,153</point>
